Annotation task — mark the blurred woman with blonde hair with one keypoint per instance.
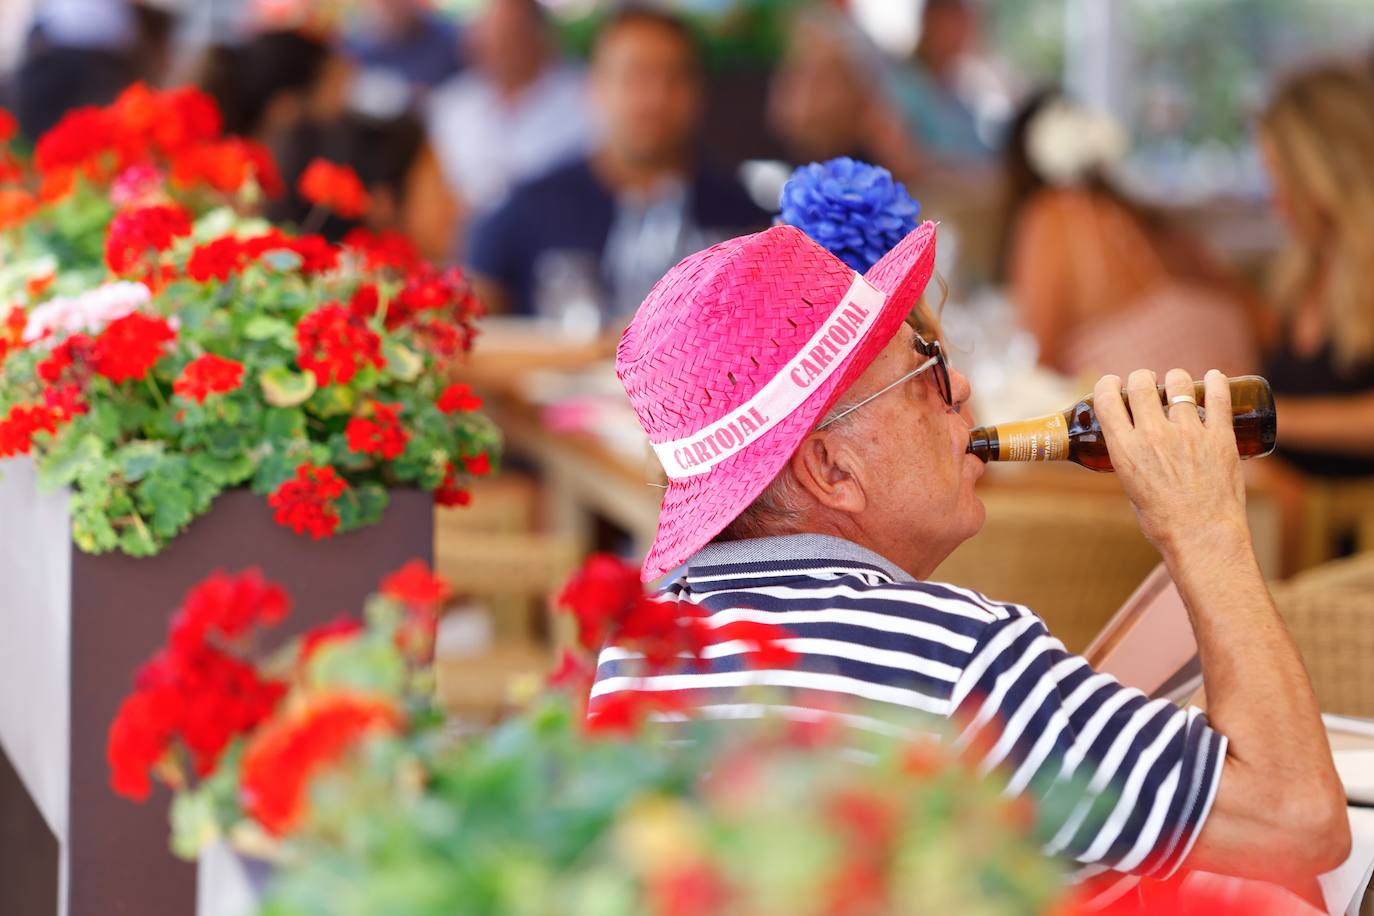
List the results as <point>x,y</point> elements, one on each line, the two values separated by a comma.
<point>1317,141</point>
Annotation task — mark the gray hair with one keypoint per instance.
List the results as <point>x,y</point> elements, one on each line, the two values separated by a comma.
<point>779,508</point>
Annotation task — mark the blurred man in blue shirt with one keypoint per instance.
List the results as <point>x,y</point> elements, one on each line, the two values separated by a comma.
<point>604,227</point>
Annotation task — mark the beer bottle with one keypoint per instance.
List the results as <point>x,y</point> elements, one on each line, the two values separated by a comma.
<point>1076,435</point>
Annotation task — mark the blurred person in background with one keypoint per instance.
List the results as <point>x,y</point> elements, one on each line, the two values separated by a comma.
<point>586,242</point>
<point>406,37</point>
<point>515,113</point>
<point>939,87</point>
<point>1105,284</point>
<point>1316,139</point>
<point>78,52</point>
<point>291,90</point>
<point>828,100</point>
<point>272,82</point>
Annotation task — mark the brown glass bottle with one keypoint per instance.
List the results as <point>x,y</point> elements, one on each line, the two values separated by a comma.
<point>1076,435</point>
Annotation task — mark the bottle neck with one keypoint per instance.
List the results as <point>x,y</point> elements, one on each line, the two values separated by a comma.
<point>1041,439</point>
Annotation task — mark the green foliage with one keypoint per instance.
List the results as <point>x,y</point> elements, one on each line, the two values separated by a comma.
<point>144,461</point>
<point>536,817</point>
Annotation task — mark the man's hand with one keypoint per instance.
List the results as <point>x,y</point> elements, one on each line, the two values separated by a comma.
<point>1180,473</point>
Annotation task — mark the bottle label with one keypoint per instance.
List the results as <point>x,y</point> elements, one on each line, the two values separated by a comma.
<point>1041,439</point>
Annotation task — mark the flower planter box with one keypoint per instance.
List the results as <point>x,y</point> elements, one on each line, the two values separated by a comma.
<point>73,630</point>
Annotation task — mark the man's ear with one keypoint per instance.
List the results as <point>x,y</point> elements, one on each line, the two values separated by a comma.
<point>828,468</point>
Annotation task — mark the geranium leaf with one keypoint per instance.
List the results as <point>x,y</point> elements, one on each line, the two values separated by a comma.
<point>401,362</point>
<point>283,388</point>
<point>265,327</point>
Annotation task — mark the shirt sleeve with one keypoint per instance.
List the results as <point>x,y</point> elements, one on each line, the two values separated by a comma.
<point>1122,781</point>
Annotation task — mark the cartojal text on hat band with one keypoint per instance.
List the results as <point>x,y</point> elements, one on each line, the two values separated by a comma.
<point>838,336</point>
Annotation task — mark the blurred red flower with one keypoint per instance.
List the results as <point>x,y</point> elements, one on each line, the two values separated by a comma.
<point>8,126</point>
<point>207,375</point>
<point>381,250</point>
<point>195,691</point>
<point>135,235</point>
<point>478,466</point>
<point>416,584</point>
<point>381,435</point>
<point>15,206</point>
<point>598,595</point>
<point>287,753</point>
<point>226,166</point>
<point>449,493</point>
<point>334,187</point>
<point>21,424</point>
<point>334,345</point>
<point>305,503</point>
<point>340,628</point>
<point>130,346</point>
<point>458,398</point>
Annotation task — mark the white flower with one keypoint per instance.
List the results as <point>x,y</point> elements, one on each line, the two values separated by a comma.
<point>88,312</point>
<point>1066,143</point>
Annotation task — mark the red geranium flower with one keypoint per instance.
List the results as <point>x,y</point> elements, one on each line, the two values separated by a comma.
<point>458,397</point>
<point>600,593</point>
<point>341,627</point>
<point>186,116</point>
<point>136,234</point>
<point>443,295</point>
<point>130,346</point>
<point>76,349</point>
<point>216,260</point>
<point>286,754</point>
<point>316,254</point>
<point>382,250</point>
<point>383,435</point>
<point>21,424</point>
<point>334,187</point>
<point>415,584</point>
<point>305,503</point>
<point>449,493</point>
<point>12,331</point>
<point>75,142</point>
<point>8,126</point>
<point>478,466</point>
<point>227,606</point>
<point>15,207</point>
<point>65,402</point>
<point>207,375</point>
<point>334,345</point>
<point>365,302</point>
<point>226,166</point>
<point>622,712</point>
<point>195,691</point>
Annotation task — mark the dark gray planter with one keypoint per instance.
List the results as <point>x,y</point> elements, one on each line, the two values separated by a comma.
<point>73,630</point>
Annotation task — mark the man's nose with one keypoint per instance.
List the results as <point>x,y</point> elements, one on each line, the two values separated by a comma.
<point>959,386</point>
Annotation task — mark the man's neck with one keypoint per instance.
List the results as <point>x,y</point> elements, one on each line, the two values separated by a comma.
<point>512,87</point>
<point>624,174</point>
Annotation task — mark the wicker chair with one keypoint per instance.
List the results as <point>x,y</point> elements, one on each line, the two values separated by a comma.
<point>1330,612</point>
<point>1073,559</point>
<point>506,570</point>
<point>1336,510</point>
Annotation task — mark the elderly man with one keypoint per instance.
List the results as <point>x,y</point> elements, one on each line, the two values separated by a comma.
<point>817,471</point>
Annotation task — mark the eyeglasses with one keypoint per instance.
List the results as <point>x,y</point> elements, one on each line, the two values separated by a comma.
<point>934,359</point>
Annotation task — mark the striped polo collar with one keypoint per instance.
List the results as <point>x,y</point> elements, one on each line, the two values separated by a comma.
<point>788,555</point>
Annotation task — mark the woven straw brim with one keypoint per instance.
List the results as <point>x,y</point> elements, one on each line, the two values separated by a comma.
<point>696,509</point>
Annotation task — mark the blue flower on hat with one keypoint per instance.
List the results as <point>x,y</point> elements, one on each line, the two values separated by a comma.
<point>854,209</point>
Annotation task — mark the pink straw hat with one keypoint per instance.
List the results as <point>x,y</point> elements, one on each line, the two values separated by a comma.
<point>739,351</point>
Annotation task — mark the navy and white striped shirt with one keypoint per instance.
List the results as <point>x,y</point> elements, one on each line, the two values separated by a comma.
<point>1143,772</point>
